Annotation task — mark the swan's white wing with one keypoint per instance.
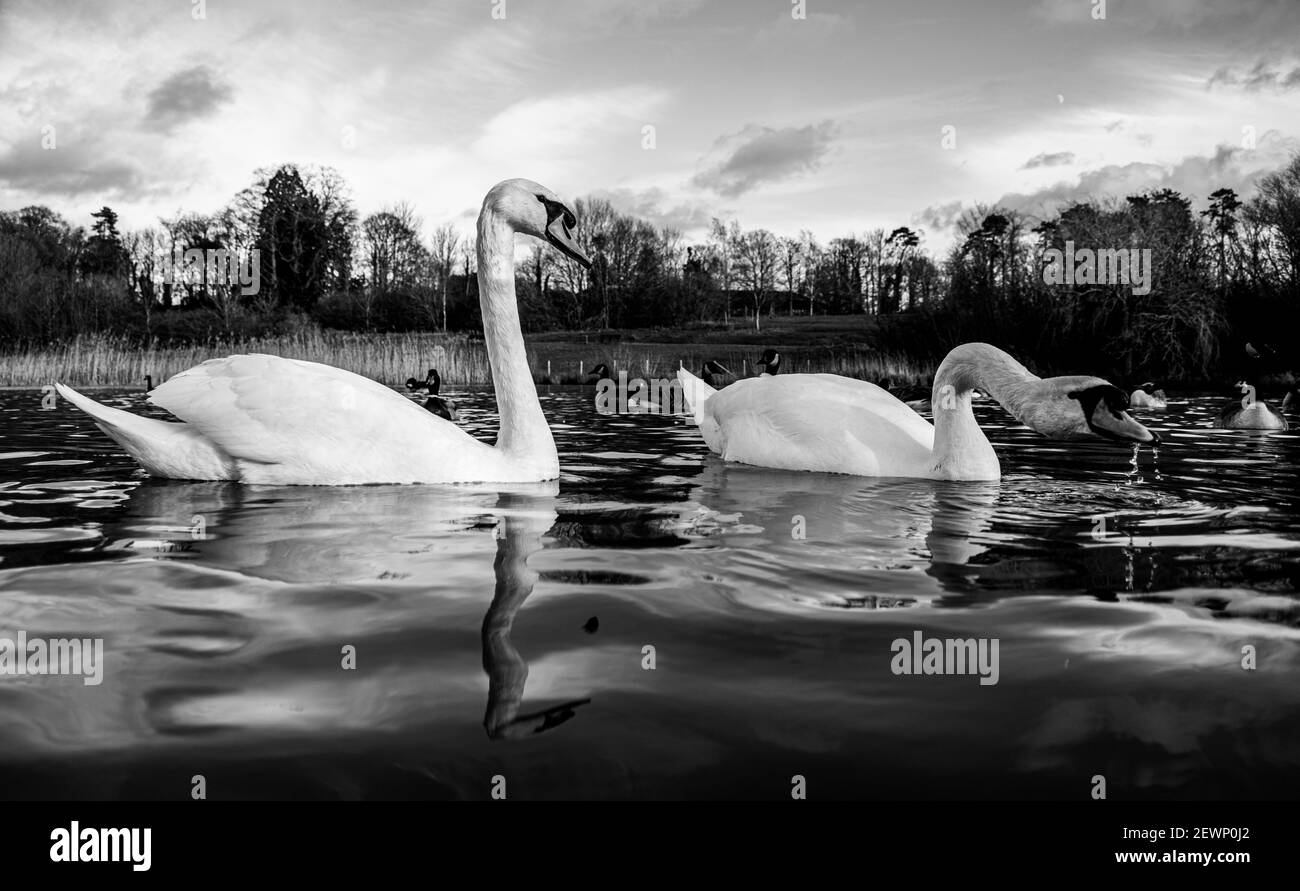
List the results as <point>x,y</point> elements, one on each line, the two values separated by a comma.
<point>821,422</point>
<point>291,421</point>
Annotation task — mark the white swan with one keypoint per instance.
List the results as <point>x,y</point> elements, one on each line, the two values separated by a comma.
<point>824,422</point>
<point>267,420</point>
<point>1147,396</point>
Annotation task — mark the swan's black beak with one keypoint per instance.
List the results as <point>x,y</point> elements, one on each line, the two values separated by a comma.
<point>559,232</point>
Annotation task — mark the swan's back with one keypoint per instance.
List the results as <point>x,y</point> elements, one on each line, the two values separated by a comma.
<point>293,421</point>
<point>1258,416</point>
<point>820,422</point>
<point>1140,398</point>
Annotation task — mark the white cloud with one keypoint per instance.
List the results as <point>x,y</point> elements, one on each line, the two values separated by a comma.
<point>444,101</point>
<point>563,132</point>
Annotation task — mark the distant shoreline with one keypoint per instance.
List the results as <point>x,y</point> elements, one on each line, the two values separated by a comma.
<point>555,357</point>
<point>826,344</point>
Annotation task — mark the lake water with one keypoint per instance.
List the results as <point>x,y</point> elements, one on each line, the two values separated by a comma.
<point>1122,600</point>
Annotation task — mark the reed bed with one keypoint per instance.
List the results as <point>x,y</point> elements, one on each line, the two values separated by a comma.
<point>99,361</point>
<point>114,362</point>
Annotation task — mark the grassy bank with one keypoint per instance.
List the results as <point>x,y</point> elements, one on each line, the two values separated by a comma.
<point>556,358</point>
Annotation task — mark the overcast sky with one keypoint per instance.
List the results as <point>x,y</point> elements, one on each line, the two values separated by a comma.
<point>832,123</point>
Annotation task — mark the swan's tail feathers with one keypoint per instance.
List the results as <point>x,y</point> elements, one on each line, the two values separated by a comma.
<point>697,394</point>
<point>164,448</point>
<point>122,426</point>
<point>696,391</point>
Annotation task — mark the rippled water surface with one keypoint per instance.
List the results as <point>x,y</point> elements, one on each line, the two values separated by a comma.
<point>505,634</point>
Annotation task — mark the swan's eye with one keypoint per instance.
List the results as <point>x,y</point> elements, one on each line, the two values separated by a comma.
<point>555,210</point>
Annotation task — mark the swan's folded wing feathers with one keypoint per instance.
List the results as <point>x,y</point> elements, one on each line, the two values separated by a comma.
<point>264,408</point>
<point>821,422</point>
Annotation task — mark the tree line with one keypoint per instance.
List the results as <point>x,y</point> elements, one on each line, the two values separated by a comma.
<point>1220,277</point>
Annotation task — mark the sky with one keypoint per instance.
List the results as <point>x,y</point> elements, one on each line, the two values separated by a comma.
<point>834,117</point>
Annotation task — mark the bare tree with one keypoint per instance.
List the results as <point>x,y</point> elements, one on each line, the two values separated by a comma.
<point>725,238</point>
<point>446,241</point>
<point>758,256</point>
<point>791,259</point>
<point>811,251</point>
<point>872,259</point>
<point>669,248</point>
<point>146,249</point>
<point>1276,210</point>
<point>468,249</point>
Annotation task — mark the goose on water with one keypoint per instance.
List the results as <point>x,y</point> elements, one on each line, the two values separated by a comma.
<point>434,401</point>
<point>915,395</point>
<point>1251,413</point>
<point>417,386</point>
<point>712,371</point>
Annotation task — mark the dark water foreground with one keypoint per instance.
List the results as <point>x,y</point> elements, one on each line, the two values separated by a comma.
<point>1121,601</point>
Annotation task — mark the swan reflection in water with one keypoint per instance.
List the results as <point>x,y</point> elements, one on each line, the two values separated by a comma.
<point>290,569</point>
<point>523,523</point>
<point>849,533</point>
<point>976,541</point>
<point>347,538</point>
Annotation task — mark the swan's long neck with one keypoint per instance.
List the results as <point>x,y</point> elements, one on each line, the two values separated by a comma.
<point>524,431</point>
<point>961,450</point>
<point>1014,386</point>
